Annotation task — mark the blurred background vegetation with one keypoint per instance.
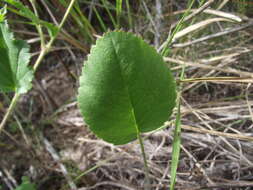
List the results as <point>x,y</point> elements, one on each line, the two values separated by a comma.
<point>46,140</point>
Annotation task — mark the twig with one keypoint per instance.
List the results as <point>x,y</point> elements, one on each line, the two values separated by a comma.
<point>49,100</point>
<point>158,23</point>
<point>150,17</point>
<point>239,184</point>
<point>198,165</point>
<point>49,12</point>
<point>9,179</point>
<point>10,110</point>
<point>56,158</point>
<point>223,4</point>
<point>123,186</point>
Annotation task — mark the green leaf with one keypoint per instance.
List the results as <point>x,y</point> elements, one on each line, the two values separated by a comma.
<point>23,10</point>
<point>15,75</point>
<point>2,13</point>
<point>125,85</point>
<point>26,184</point>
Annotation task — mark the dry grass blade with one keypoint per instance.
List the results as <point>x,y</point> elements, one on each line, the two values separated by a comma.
<point>56,157</point>
<point>184,19</point>
<point>223,14</point>
<point>217,133</point>
<point>110,183</point>
<point>198,26</point>
<point>219,34</point>
<point>198,65</point>
<point>216,13</point>
<point>224,2</point>
<point>195,13</point>
<point>219,79</point>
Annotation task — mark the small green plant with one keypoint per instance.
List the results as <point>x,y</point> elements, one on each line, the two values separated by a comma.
<point>125,89</point>
<point>15,75</point>
<point>26,184</point>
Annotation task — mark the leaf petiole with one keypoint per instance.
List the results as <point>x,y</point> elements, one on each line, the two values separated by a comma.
<point>146,169</point>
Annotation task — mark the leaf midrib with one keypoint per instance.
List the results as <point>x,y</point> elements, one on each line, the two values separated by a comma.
<point>124,81</point>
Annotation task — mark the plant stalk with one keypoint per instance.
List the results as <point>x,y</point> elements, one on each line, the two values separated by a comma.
<point>40,58</point>
<point>39,28</point>
<point>10,110</point>
<point>46,49</point>
<point>61,24</point>
<point>176,144</point>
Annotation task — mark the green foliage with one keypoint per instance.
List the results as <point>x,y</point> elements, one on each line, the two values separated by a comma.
<point>81,21</point>
<point>15,75</point>
<point>26,184</point>
<point>24,11</point>
<point>118,11</point>
<point>2,14</point>
<point>125,87</point>
<point>244,6</point>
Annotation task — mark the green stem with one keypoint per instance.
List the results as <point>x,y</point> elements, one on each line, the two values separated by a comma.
<point>146,169</point>
<point>46,49</point>
<point>61,24</point>
<point>39,28</point>
<point>166,50</point>
<point>43,52</point>
<point>130,21</point>
<point>176,138</point>
<point>40,58</point>
<point>118,12</point>
<point>10,110</point>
